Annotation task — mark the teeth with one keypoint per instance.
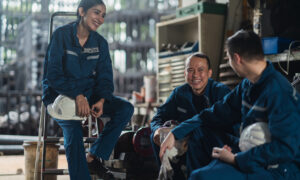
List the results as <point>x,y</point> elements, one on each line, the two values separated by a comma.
<point>96,23</point>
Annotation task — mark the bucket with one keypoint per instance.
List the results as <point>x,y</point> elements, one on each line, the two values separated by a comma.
<point>30,153</point>
<point>150,88</point>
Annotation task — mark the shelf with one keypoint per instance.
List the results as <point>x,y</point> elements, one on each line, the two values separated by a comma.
<point>282,57</point>
<point>179,21</point>
<point>205,29</point>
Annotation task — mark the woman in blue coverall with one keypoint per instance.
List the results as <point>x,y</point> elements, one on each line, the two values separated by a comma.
<point>263,96</point>
<point>78,65</point>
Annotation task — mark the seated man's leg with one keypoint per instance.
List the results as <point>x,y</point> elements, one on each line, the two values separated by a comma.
<point>120,111</point>
<point>217,170</point>
<point>220,170</point>
<point>200,144</point>
<point>155,150</point>
<point>74,148</point>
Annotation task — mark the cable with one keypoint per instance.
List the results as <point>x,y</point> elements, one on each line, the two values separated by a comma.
<point>297,80</point>
<point>288,59</point>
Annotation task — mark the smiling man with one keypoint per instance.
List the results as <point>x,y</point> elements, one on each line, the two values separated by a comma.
<point>264,95</point>
<point>199,92</point>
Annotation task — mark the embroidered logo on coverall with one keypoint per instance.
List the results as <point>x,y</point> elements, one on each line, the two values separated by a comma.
<point>91,50</point>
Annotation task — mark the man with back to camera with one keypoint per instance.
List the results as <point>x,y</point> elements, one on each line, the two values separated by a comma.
<point>263,96</point>
<point>199,92</point>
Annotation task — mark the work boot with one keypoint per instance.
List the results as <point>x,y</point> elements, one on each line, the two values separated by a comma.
<point>96,167</point>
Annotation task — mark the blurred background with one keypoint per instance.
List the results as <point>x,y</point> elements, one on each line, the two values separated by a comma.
<point>148,40</point>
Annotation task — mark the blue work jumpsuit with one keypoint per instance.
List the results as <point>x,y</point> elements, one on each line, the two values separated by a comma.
<point>71,69</point>
<point>271,99</point>
<point>179,107</point>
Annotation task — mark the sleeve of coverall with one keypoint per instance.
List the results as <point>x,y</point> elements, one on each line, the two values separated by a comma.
<point>220,91</point>
<point>55,74</point>
<point>284,125</point>
<point>166,112</point>
<point>223,114</point>
<point>104,75</point>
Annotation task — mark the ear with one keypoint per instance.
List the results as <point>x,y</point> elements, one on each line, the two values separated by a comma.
<point>81,11</point>
<point>209,73</point>
<point>237,58</point>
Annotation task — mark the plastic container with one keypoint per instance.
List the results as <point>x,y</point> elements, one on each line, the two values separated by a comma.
<point>275,45</point>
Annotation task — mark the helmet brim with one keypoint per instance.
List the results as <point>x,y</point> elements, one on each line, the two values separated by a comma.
<point>53,114</point>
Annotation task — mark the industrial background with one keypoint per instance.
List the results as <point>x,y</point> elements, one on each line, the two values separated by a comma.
<point>147,38</point>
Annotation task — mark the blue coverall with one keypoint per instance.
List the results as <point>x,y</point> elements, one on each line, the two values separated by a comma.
<point>71,69</point>
<point>180,107</point>
<point>271,99</point>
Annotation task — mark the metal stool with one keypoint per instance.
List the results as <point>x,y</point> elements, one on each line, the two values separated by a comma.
<point>43,138</point>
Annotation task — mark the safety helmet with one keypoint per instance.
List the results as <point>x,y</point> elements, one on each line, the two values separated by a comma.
<point>63,108</point>
<point>254,135</point>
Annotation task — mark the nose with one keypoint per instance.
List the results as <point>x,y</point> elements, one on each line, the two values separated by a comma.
<point>101,19</point>
<point>196,74</point>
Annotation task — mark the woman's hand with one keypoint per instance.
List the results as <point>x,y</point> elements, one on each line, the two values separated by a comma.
<point>223,154</point>
<point>82,106</point>
<point>97,109</point>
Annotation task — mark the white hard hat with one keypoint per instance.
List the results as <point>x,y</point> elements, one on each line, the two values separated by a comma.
<point>254,135</point>
<point>63,108</point>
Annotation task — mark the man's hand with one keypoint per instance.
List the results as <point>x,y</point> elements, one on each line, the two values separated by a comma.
<point>82,106</point>
<point>223,154</point>
<point>169,143</point>
<point>97,109</point>
<point>156,136</point>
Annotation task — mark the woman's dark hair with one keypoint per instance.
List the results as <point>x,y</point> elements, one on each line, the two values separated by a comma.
<point>199,55</point>
<point>245,43</point>
<point>87,4</point>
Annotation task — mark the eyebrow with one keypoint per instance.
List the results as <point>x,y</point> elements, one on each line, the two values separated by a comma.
<point>98,10</point>
<point>95,9</point>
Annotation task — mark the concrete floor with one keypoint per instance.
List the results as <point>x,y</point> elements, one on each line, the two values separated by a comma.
<point>13,167</point>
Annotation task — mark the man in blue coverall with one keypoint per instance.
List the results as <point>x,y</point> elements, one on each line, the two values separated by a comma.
<point>264,95</point>
<point>199,92</point>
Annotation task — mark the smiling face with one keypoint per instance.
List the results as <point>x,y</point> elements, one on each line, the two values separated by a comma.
<point>197,74</point>
<point>94,17</point>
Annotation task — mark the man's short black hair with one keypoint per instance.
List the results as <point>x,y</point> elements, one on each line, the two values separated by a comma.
<point>199,55</point>
<point>247,44</point>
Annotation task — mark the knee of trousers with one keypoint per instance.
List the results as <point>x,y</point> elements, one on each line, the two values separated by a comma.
<point>196,136</point>
<point>125,110</point>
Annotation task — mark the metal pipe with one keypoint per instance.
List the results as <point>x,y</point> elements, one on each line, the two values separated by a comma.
<point>15,139</point>
<point>11,149</point>
<point>18,149</point>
